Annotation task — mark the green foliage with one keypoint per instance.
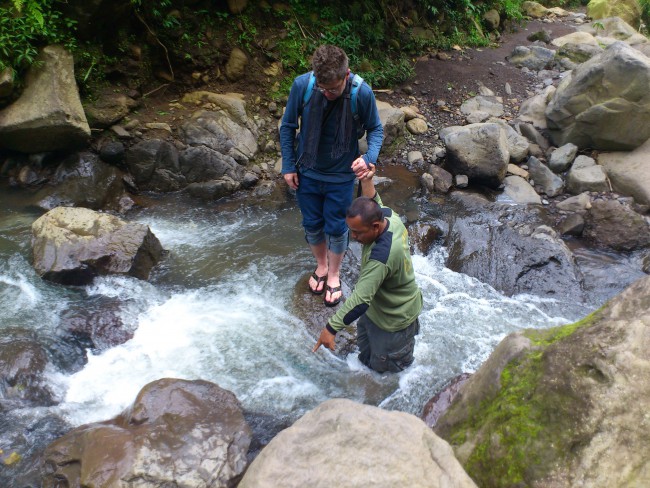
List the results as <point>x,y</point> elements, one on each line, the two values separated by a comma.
<point>27,25</point>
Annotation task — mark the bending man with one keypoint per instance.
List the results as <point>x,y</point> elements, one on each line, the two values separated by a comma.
<point>386,299</point>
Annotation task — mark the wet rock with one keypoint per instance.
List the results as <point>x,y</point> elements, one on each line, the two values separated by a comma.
<point>22,365</point>
<point>613,225</point>
<point>155,166</point>
<point>73,245</point>
<point>572,225</point>
<point>176,433</point>
<point>498,244</point>
<point>439,404</point>
<point>422,237</point>
<point>356,432</point>
<point>82,180</point>
<point>112,152</point>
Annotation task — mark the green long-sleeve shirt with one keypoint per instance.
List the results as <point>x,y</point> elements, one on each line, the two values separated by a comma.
<point>386,290</point>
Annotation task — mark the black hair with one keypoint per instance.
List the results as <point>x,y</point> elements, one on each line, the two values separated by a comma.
<point>366,208</point>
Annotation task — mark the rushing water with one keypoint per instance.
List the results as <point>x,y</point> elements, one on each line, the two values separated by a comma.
<point>220,309</point>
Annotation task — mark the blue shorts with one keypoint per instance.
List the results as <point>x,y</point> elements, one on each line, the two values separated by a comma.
<point>323,207</point>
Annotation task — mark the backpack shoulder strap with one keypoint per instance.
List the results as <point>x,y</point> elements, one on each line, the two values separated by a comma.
<point>356,84</point>
<point>309,89</point>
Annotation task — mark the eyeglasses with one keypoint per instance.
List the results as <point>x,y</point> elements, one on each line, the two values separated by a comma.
<point>333,91</point>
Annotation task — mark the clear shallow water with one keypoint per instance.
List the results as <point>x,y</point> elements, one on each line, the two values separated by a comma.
<point>222,307</point>
<point>219,309</point>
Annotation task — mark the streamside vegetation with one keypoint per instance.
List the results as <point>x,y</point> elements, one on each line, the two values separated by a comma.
<point>173,38</point>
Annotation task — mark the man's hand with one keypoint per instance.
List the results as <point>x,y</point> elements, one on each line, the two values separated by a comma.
<point>292,180</point>
<point>326,339</point>
<point>363,170</point>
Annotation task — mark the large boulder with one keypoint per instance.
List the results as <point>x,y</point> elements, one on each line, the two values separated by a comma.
<point>583,112</point>
<point>354,438</point>
<point>220,132</point>
<point>515,250</point>
<point>176,433</point>
<point>155,166</point>
<point>562,407</point>
<point>73,245</point>
<point>48,116</point>
<point>479,151</point>
<point>628,10</point>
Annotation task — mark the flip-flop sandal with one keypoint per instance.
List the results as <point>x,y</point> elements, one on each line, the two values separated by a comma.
<point>319,280</point>
<point>332,290</point>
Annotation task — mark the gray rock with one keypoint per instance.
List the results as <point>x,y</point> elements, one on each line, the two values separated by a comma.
<point>534,136</point>
<point>517,144</point>
<point>615,226</point>
<point>629,172</point>
<point>562,158</point>
<point>586,175</point>
<point>73,245</point>
<point>356,432</point>
<point>572,225</point>
<point>533,109</point>
<point>578,203</point>
<point>48,116</point>
<point>520,191</point>
<point>479,151</point>
<point>576,113</point>
<point>534,57</point>
<point>550,183</point>
<point>491,105</point>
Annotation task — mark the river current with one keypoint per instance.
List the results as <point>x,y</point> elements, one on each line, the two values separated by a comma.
<point>220,307</point>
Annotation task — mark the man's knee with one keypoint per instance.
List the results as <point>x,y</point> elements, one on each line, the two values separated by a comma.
<point>314,236</point>
<point>338,244</point>
<point>393,362</point>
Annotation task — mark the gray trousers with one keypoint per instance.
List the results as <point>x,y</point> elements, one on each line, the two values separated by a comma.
<point>386,351</point>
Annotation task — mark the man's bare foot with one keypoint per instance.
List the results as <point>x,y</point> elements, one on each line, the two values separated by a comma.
<point>317,283</point>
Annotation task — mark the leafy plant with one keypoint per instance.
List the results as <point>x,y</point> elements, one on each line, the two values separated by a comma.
<point>26,26</point>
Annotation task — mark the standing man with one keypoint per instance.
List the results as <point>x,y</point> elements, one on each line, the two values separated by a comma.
<point>386,299</point>
<point>319,168</point>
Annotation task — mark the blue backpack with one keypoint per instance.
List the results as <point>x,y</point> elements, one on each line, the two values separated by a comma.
<point>354,91</point>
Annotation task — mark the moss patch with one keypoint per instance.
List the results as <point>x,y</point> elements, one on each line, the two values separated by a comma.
<point>519,434</point>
